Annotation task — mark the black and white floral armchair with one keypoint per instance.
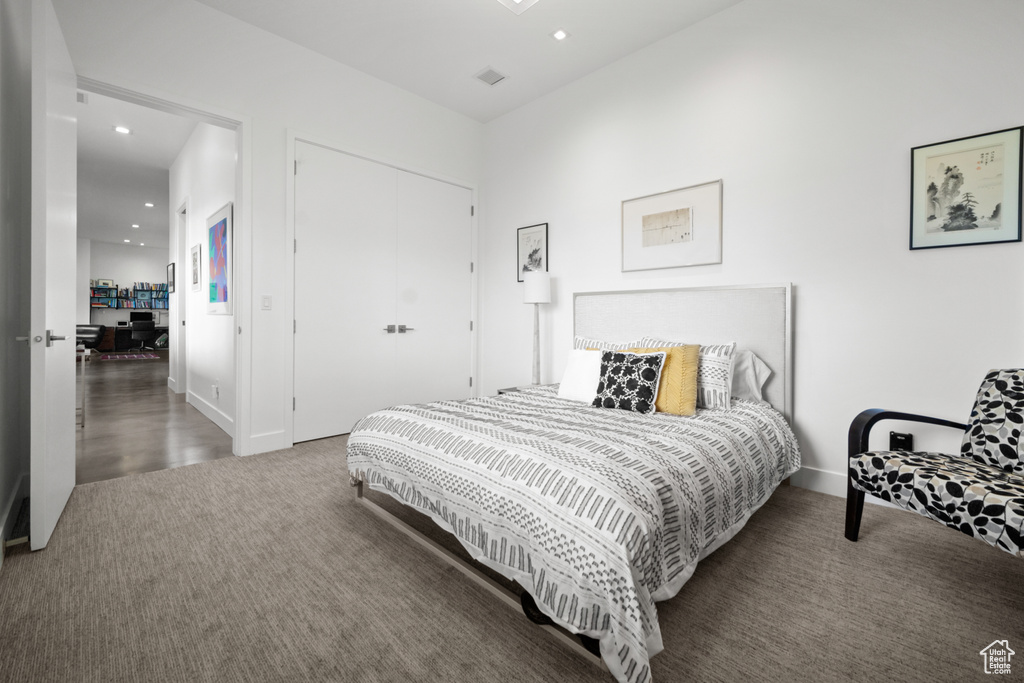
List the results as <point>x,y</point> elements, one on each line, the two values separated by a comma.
<point>979,492</point>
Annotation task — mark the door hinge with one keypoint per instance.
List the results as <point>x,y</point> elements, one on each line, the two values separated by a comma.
<point>470,381</point>
<point>295,246</point>
<point>293,403</point>
<point>472,210</point>
<point>471,266</point>
<point>470,325</point>
<point>295,326</point>
<point>295,169</point>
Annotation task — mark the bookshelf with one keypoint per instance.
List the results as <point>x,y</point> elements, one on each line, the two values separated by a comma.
<point>141,295</point>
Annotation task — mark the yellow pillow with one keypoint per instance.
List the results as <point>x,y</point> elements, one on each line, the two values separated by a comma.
<point>677,392</point>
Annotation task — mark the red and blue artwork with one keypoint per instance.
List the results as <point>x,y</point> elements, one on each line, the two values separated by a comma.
<point>219,262</point>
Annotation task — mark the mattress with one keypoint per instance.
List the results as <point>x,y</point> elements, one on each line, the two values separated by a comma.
<point>598,513</point>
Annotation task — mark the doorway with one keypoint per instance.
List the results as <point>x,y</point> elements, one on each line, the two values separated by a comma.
<point>146,182</point>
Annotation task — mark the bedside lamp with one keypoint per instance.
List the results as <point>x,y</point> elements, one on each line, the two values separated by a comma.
<point>536,291</point>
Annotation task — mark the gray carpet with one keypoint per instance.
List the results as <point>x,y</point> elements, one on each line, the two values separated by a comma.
<point>265,569</point>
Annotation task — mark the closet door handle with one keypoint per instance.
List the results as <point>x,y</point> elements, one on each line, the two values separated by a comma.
<point>390,329</point>
<point>402,329</point>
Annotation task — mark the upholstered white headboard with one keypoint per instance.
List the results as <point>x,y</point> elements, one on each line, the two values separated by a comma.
<point>756,317</point>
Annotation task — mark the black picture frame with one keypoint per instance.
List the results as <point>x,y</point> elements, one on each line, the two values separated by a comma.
<point>967,191</point>
<point>170,277</point>
<point>531,249</point>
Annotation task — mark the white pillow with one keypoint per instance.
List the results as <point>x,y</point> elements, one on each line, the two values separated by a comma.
<point>581,376</point>
<point>749,373</point>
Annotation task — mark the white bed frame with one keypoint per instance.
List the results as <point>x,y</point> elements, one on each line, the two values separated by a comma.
<point>757,317</point>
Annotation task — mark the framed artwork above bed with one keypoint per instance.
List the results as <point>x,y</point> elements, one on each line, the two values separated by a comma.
<point>673,229</point>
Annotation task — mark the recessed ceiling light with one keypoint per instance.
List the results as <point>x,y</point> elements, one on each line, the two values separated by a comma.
<point>560,34</point>
<point>129,241</point>
<point>142,244</point>
<point>149,205</point>
<point>135,225</point>
<point>122,130</point>
<point>518,6</point>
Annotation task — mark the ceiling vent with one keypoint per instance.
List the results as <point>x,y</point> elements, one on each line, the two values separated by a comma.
<point>490,76</point>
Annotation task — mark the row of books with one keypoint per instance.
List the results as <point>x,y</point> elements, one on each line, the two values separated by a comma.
<point>158,287</point>
<point>106,302</point>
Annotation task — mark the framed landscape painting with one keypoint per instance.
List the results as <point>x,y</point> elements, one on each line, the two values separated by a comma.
<point>532,249</point>
<point>966,191</point>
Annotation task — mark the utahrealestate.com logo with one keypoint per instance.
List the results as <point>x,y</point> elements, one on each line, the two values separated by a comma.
<point>997,657</point>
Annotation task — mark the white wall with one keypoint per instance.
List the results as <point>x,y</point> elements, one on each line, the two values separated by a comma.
<point>82,277</point>
<point>126,264</point>
<point>204,176</point>
<point>807,109</point>
<point>186,52</point>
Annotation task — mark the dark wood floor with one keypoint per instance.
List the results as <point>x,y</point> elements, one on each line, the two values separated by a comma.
<point>134,423</point>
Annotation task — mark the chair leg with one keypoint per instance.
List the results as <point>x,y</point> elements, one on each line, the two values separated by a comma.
<point>854,510</point>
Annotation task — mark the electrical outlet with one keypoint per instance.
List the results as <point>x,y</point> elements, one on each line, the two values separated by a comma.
<point>901,442</point>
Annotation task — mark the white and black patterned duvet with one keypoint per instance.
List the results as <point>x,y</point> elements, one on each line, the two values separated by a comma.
<point>598,513</point>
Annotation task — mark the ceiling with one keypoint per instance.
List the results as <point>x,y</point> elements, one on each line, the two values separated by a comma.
<point>434,48</point>
<point>118,174</point>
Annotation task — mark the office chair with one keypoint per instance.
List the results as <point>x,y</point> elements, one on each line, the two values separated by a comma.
<point>142,332</point>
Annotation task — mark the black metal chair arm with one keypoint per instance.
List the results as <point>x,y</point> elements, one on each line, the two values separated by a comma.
<point>861,426</point>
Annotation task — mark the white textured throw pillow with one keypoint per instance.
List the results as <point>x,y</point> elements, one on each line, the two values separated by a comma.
<point>714,371</point>
<point>582,373</point>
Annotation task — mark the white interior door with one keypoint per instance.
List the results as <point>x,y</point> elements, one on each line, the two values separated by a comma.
<point>434,289</point>
<point>52,279</point>
<point>344,290</point>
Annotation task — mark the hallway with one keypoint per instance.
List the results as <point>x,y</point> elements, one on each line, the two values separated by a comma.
<point>134,423</point>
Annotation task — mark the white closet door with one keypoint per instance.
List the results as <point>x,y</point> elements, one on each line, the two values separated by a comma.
<point>344,290</point>
<point>434,290</point>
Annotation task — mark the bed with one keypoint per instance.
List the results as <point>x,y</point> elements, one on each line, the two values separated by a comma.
<point>599,513</point>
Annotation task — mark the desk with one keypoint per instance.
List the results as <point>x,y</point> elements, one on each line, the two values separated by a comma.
<point>123,337</point>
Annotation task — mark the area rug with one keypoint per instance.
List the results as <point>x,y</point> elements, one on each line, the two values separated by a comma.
<point>128,356</point>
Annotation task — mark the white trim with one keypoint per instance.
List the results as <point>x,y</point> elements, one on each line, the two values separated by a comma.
<point>289,295</point>
<point>212,412</point>
<point>832,483</point>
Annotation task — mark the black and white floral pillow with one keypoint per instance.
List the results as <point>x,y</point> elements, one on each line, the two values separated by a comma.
<point>629,381</point>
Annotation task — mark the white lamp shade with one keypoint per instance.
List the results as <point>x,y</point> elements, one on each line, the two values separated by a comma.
<point>536,287</point>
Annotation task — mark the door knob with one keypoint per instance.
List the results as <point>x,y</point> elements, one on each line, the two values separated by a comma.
<point>402,329</point>
<point>390,329</point>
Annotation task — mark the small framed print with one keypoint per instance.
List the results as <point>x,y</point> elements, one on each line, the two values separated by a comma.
<point>197,278</point>
<point>966,191</point>
<point>170,278</point>
<point>673,229</point>
<point>532,249</point>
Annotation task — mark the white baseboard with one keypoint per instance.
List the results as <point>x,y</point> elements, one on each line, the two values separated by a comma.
<point>213,413</point>
<point>264,443</point>
<point>832,483</point>
<point>172,384</point>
